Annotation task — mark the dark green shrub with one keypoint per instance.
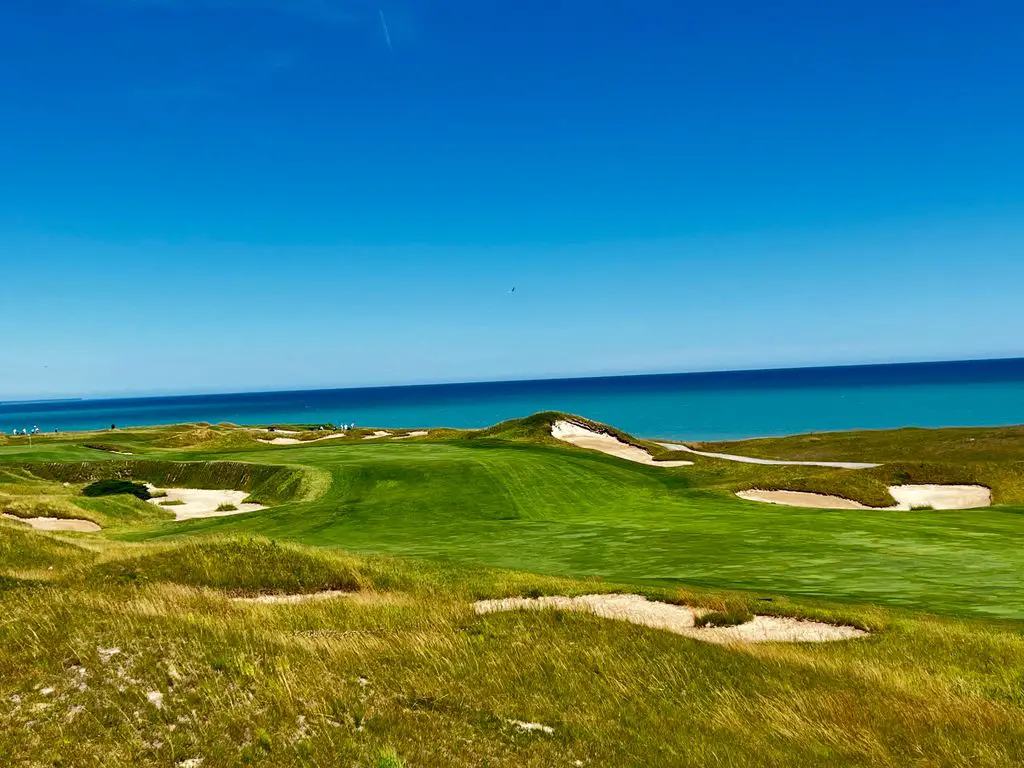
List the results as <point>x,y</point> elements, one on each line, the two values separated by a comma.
<point>117,488</point>
<point>722,619</point>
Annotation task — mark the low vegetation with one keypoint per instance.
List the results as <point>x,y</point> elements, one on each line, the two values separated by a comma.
<point>157,642</point>
<point>117,488</point>
<point>142,658</point>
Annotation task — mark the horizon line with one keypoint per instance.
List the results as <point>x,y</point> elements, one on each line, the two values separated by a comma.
<point>484,382</point>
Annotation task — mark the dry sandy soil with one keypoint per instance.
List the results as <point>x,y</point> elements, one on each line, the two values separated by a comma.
<point>582,437</point>
<point>56,524</point>
<point>947,497</point>
<point>359,598</point>
<point>679,619</point>
<point>752,460</point>
<point>203,503</point>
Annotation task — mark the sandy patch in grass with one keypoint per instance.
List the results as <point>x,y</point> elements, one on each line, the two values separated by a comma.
<point>908,497</point>
<point>679,619</point>
<point>358,598</point>
<point>775,462</point>
<point>56,524</point>
<point>801,499</point>
<point>417,433</point>
<point>312,597</point>
<point>295,441</point>
<point>197,502</point>
<point>377,435</point>
<point>582,437</point>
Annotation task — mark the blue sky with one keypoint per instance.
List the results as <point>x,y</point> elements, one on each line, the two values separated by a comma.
<point>218,195</point>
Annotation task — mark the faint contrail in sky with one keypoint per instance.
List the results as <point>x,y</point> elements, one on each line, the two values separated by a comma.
<point>384,25</point>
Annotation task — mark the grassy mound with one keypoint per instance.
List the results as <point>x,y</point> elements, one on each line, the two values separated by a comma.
<point>266,484</point>
<point>26,550</point>
<point>240,566</point>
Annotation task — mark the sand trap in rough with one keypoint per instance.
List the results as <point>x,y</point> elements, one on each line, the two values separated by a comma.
<point>377,435</point>
<point>776,462</point>
<point>679,619</point>
<point>417,433</point>
<point>359,598</point>
<point>56,524</point>
<point>292,599</point>
<point>941,497</point>
<point>202,503</point>
<point>294,441</point>
<point>582,437</point>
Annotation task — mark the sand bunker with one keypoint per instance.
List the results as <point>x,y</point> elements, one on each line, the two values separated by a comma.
<point>583,437</point>
<point>679,619</point>
<point>197,502</point>
<point>295,441</point>
<point>56,524</point>
<point>801,499</point>
<point>941,496</point>
<point>417,433</point>
<point>775,462</point>
<point>377,435</point>
<point>369,597</point>
<point>908,497</point>
<point>293,599</point>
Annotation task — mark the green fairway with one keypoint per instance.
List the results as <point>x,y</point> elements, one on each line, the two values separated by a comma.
<point>528,503</point>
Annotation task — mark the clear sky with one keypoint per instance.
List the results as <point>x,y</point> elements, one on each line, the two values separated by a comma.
<point>223,195</point>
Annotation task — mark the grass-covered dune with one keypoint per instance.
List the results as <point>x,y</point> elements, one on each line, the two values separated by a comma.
<point>266,484</point>
<point>141,644</point>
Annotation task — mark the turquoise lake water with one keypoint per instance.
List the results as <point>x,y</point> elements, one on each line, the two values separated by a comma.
<point>705,406</point>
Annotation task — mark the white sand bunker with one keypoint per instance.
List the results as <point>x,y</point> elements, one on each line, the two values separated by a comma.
<point>296,441</point>
<point>377,435</point>
<point>582,437</point>
<point>774,462</point>
<point>417,433</point>
<point>56,523</point>
<point>679,619</point>
<point>197,502</point>
<point>908,497</point>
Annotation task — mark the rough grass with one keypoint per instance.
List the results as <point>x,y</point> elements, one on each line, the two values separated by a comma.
<point>24,552</point>
<point>415,676</point>
<point>984,444</point>
<point>240,567</point>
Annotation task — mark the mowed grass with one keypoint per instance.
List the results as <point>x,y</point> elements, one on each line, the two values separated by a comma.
<point>563,511</point>
<point>103,667</point>
<point>511,497</point>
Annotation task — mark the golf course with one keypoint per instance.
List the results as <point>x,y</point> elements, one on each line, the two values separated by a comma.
<point>298,595</point>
